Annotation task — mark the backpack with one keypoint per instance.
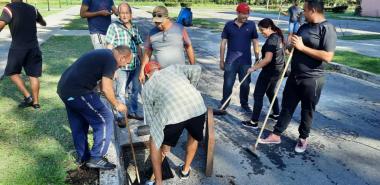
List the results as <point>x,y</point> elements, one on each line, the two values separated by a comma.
<point>185,17</point>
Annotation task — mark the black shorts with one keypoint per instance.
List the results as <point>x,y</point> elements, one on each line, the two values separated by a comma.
<point>194,126</point>
<point>29,59</point>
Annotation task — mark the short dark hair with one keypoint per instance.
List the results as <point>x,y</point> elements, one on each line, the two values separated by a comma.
<point>124,50</point>
<point>318,5</point>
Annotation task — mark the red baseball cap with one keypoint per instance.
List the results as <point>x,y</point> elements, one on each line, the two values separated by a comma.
<point>243,8</point>
<point>150,66</point>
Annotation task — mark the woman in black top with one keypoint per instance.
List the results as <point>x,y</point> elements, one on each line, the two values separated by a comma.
<point>272,64</point>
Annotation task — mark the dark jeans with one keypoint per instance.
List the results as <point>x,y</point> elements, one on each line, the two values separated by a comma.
<point>82,112</point>
<point>266,84</point>
<point>230,71</point>
<point>307,91</point>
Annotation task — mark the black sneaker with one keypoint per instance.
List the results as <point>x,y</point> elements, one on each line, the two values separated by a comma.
<point>120,122</point>
<point>246,108</point>
<point>181,175</point>
<point>100,164</point>
<point>36,106</point>
<point>28,101</point>
<point>250,124</point>
<point>274,116</point>
<point>135,116</point>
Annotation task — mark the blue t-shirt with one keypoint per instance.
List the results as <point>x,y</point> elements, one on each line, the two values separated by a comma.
<point>239,41</point>
<point>98,24</point>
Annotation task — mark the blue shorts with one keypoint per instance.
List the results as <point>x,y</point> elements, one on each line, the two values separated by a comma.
<point>293,27</point>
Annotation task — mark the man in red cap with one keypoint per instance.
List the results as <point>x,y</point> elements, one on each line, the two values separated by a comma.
<point>238,35</point>
<point>171,104</point>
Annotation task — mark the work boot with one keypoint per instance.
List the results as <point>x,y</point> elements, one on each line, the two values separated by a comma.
<point>301,145</point>
<point>28,101</point>
<point>102,163</point>
<point>250,124</point>
<point>183,175</point>
<point>271,139</point>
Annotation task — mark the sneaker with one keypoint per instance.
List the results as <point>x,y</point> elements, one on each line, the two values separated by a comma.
<point>274,116</point>
<point>301,145</point>
<point>28,101</point>
<point>149,182</point>
<point>219,112</point>
<point>271,139</point>
<point>135,116</point>
<point>250,124</point>
<point>36,106</point>
<point>120,122</point>
<point>102,163</point>
<point>181,174</point>
<point>246,108</point>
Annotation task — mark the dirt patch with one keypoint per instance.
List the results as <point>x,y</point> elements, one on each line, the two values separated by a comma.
<point>83,176</point>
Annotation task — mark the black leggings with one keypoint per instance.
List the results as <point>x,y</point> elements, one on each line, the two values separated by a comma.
<point>266,84</point>
<point>307,91</point>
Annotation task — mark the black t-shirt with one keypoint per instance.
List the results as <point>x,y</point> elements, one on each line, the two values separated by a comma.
<point>274,44</point>
<point>83,75</point>
<point>321,36</point>
<point>22,19</point>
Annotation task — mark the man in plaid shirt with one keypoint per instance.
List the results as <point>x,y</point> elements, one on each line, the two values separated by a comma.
<point>171,104</point>
<point>123,32</point>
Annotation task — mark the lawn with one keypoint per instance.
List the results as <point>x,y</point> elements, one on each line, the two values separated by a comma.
<point>36,146</point>
<point>371,64</point>
<point>360,37</point>
<point>77,23</point>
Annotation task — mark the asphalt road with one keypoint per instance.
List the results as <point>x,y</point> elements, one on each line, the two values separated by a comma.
<point>344,143</point>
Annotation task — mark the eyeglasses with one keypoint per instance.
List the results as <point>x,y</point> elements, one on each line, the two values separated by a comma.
<point>157,15</point>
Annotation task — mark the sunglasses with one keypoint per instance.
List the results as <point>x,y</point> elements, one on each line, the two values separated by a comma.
<point>157,15</point>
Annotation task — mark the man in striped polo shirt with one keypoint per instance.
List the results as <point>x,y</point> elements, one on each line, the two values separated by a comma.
<point>124,32</point>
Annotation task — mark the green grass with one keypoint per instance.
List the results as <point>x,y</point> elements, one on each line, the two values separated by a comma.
<point>36,146</point>
<point>77,23</point>
<point>360,37</point>
<point>370,64</point>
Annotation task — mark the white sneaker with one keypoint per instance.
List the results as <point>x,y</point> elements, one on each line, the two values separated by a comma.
<point>301,145</point>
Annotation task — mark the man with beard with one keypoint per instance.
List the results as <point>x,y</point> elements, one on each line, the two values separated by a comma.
<point>238,34</point>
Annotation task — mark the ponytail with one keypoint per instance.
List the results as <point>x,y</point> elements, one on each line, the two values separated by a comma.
<point>266,23</point>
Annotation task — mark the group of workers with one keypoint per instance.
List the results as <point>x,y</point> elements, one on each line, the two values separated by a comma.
<point>171,102</point>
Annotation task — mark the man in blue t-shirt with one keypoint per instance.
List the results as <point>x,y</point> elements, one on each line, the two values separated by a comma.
<point>295,17</point>
<point>98,14</point>
<point>238,35</point>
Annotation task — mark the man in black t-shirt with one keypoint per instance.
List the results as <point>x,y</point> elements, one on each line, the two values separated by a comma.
<point>314,44</point>
<point>84,107</point>
<point>24,51</point>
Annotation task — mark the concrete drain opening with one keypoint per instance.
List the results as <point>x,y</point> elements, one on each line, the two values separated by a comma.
<point>143,163</point>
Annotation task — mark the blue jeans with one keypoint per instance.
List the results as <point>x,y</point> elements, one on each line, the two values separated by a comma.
<point>230,72</point>
<point>293,27</point>
<point>82,112</point>
<point>123,79</point>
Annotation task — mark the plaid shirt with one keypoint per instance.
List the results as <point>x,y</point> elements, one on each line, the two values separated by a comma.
<point>170,97</point>
<point>118,34</point>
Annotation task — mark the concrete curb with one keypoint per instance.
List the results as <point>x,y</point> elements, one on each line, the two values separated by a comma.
<point>115,176</point>
<point>357,73</point>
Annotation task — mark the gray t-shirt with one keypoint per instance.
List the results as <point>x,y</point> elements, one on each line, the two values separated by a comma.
<point>321,36</point>
<point>294,14</point>
<point>168,46</point>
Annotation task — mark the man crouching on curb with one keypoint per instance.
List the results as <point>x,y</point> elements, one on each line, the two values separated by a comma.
<point>84,107</point>
<point>171,104</point>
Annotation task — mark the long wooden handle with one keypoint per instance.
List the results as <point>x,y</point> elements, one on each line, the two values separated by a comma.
<point>241,82</point>
<point>132,148</point>
<point>274,98</point>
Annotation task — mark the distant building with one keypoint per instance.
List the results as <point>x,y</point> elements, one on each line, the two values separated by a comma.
<point>370,8</point>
